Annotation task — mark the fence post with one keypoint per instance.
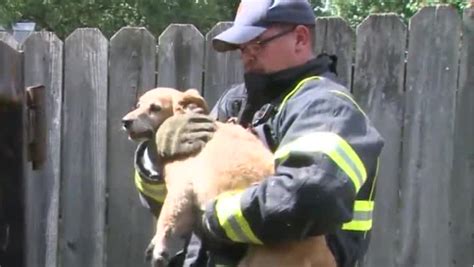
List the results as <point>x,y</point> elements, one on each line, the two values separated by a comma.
<point>13,156</point>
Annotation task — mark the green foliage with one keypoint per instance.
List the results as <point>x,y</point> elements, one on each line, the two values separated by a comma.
<point>354,11</point>
<point>64,16</point>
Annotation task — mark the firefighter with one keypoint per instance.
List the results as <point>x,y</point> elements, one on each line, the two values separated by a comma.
<point>325,147</point>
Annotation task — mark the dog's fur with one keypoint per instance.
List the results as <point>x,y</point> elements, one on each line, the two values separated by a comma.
<point>232,160</point>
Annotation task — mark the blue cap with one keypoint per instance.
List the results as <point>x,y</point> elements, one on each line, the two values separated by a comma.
<point>254,16</point>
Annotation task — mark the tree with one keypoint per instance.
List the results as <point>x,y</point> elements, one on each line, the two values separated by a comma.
<point>354,11</point>
<point>109,16</point>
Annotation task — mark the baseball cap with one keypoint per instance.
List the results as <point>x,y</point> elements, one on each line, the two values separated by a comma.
<point>255,16</point>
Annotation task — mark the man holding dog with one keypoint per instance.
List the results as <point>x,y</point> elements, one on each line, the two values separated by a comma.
<point>326,150</point>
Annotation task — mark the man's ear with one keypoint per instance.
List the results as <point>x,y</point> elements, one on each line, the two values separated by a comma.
<point>193,101</point>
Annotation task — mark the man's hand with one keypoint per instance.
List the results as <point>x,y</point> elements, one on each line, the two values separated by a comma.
<point>184,135</point>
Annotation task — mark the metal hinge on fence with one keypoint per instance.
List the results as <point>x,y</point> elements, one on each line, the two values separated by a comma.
<point>36,125</point>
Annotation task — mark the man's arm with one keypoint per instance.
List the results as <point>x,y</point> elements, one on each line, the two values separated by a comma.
<point>327,148</point>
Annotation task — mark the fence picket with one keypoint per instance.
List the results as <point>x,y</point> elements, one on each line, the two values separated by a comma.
<point>84,146</point>
<point>222,70</point>
<point>432,68</point>
<point>180,57</point>
<point>333,35</point>
<point>44,66</point>
<point>132,72</point>
<point>9,39</point>
<point>378,86</point>
<point>462,182</point>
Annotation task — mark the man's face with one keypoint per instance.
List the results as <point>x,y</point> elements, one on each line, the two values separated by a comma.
<point>272,51</point>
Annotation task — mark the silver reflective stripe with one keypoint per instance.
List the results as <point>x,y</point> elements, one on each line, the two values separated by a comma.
<point>350,162</point>
<point>362,215</point>
<point>237,229</point>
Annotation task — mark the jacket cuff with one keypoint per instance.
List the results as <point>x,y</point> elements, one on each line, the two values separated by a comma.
<point>149,171</point>
<point>210,223</point>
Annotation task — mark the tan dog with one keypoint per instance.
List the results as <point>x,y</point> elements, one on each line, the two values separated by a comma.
<point>232,160</point>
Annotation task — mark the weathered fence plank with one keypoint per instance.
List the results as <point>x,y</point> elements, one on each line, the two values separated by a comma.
<point>84,146</point>
<point>333,35</point>
<point>222,70</point>
<point>378,87</point>
<point>44,66</point>
<point>432,68</point>
<point>180,57</point>
<point>462,183</point>
<point>132,72</point>
<point>9,39</point>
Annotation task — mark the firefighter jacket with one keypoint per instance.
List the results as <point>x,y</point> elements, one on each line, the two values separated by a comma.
<point>326,152</point>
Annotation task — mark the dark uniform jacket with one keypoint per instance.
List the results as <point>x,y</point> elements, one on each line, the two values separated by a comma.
<point>326,153</point>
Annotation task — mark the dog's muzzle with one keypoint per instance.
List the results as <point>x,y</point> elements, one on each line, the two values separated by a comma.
<point>138,129</point>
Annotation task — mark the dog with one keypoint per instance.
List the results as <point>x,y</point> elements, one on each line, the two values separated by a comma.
<point>232,160</point>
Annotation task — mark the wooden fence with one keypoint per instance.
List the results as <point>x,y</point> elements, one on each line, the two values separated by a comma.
<point>415,81</point>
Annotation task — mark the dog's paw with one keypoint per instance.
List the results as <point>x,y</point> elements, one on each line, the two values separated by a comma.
<point>161,260</point>
<point>156,256</point>
<point>149,251</point>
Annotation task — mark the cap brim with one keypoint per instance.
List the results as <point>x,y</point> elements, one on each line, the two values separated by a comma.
<point>234,36</point>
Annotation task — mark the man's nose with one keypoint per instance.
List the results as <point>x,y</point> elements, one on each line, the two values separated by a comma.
<point>247,60</point>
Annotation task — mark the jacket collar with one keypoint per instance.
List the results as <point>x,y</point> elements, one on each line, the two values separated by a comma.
<point>271,88</point>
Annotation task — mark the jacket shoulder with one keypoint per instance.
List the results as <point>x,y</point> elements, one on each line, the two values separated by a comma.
<point>230,103</point>
<point>321,89</point>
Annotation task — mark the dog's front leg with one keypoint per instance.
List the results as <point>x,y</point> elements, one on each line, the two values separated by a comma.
<point>174,223</point>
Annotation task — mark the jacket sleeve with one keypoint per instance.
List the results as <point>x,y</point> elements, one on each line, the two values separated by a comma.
<point>327,147</point>
<point>148,181</point>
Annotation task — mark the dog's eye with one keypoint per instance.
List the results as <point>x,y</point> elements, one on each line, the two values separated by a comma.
<point>155,108</point>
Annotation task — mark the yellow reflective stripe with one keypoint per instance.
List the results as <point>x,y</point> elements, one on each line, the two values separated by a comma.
<point>372,190</point>
<point>297,87</point>
<point>231,219</point>
<point>358,225</point>
<point>350,98</point>
<point>155,191</point>
<point>332,145</point>
<point>363,213</point>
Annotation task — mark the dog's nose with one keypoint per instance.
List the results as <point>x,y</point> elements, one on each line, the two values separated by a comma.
<point>126,123</point>
<point>162,260</point>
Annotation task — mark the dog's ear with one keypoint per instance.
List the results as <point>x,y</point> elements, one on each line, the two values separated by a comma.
<point>193,101</point>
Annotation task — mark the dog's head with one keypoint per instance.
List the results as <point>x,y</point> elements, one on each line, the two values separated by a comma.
<point>158,104</point>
